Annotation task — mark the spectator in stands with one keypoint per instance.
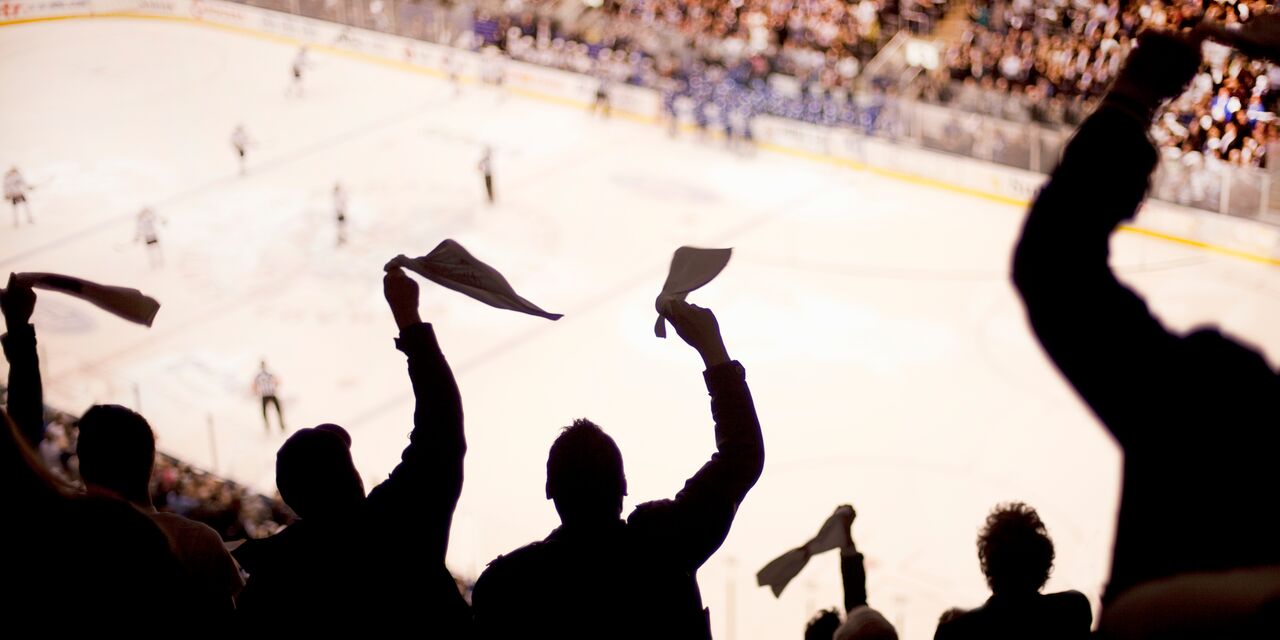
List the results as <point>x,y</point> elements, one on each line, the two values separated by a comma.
<point>81,561</point>
<point>1016,555</point>
<point>600,576</point>
<point>117,453</point>
<point>94,556</point>
<point>861,622</point>
<point>378,560</point>
<point>1192,413</point>
<point>1085,45</point>
<point>116,450</point>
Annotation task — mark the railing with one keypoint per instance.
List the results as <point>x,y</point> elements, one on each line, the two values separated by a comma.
<point>1206,183</point>
<point>1191,180</point>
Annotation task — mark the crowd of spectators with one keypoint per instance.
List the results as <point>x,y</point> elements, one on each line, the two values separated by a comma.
<point>1194,556</point>
<point>1050,61</point>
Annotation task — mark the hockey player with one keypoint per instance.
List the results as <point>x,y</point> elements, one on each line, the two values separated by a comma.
<point>15,191</point>
<point>147,233</point>
<point>240,141</point>
<point>453,69</point>
<point>340,212</point>
<point>300,63</point>
<point>486,169</point>
<point>602,104</point>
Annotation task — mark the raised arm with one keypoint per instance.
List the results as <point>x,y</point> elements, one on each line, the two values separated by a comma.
<point>26,393</point>
<point>693,525</point>
<point>1098,332</point>
<point>422,492</point>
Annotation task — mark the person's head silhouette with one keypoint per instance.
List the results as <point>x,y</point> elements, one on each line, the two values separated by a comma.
<point>1015,550</point>
<point>315,474</point>
<point>823,625</point>
<point>584,475</point>
<point>117,452</point>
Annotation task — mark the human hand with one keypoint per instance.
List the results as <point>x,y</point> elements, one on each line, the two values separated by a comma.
<point>17,302</point>
<point>1159,67</point>
<point>698,327</point>
<point>402,296</point>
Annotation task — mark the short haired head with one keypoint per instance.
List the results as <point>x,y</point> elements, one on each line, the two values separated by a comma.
<point>117,451</point>
<point>315,473</point>
<point>584,473</point>
<point>823,625</point>
<point>1015,550</point>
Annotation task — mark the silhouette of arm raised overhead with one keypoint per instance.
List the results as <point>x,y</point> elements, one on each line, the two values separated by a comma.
<point>853,575</point>
<point>1097,331</point>
<point>26,392</point>
<point>692,526</point>
<point>423,490</point>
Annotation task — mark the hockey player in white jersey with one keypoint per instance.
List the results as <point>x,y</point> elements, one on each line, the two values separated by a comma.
<point>300,64</point>
<point>148,234</point>
<point>486,169</point>
<point>453,69</point>
<point>493,70</point>
<point>240,141</point>
<point>15,191</point>
<point>340,212</point>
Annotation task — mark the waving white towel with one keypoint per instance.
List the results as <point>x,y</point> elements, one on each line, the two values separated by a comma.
<point>130,304</point>
<point>449,265</point>
<point>691,268</point>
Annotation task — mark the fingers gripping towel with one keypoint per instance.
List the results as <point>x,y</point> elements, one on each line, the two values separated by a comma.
<point>130,304</point>
<point>451,266</point>
<point>778,573</point>
<point>691,268</point>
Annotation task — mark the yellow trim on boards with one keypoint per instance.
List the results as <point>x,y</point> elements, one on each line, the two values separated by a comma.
<point>643,119</point>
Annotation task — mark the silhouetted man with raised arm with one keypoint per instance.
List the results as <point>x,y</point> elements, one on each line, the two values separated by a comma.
<point>117,562</point>
<point>1196,414</point>
<point>25,390</point>
<point>861,621</point>
<point>598,576</point>
<point>373,564</point>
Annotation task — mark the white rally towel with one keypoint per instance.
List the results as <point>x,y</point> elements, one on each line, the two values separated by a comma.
<point>691,268</point>
<point>130,304</point>
<point>834,534</point>
<point>449,265</point>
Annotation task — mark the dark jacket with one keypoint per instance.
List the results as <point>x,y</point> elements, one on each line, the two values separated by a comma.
<point>382,570</point>
<point>634,578</point>
<point>1194,414</point>
<point>26,392</point>
<point>1054,616</point>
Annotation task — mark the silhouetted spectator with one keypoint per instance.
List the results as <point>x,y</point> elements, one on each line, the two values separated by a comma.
<point>117,452</point>
<point>600,576</point>
<point>1017,555</point>
<point>1193,413</point>
<point>86,563</point>
<point>25,392</point>
<point>376,561</point>
<point>861,622</point>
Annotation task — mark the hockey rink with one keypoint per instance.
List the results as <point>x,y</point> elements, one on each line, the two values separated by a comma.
<point>887,352</point>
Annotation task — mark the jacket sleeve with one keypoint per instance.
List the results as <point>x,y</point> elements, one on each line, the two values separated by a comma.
<point>422,491</point>
<point>1097,331</point>
<point>26,393</point>
<point>853,576</point>
<point>689,528</point>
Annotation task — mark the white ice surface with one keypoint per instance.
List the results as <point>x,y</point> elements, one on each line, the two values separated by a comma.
<point>889,358</point>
